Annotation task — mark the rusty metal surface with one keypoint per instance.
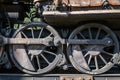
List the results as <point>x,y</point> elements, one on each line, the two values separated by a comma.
<point>85,3</point>
<point>114,2</point>
<point>96,2</point>
<point>76,77</point>
<point>80,3</point>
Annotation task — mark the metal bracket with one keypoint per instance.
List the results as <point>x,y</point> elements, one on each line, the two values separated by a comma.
<point>80,77</point>
<point>116,59</point>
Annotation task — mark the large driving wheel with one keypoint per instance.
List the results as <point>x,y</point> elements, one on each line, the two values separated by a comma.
<point>35,59</point>
<point>93,57</point>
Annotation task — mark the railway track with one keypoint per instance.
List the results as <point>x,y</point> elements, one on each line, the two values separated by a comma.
<point>59,77</point>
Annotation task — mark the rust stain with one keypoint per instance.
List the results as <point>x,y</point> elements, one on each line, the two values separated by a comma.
<point>96,2</point>
<point>79,3</point>
<point>114,2</point>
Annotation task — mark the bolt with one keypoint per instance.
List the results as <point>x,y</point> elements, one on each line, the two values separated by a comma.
<point>109,42</point>
<point>65,67</point>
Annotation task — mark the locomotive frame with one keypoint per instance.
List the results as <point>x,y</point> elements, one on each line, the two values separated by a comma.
<point>39,47</point>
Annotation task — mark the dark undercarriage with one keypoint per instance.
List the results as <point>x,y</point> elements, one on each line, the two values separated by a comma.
<point>38,37</point>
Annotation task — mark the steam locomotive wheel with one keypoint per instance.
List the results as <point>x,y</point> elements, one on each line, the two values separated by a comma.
<point>35,59</point>
<point>93,58</point>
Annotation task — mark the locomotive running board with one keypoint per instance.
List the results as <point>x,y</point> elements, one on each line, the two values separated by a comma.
<point>60,77</point>
<point>70,18</point>
<point>82,13</point>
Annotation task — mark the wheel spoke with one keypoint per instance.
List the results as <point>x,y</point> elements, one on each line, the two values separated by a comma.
<point>90,33</point>
<point>89,60</point>
<point>45,58</point>
<point>103,59</point>
<point>107,53</point>
<point>50,34</point>
<point>82,35</point>
<point>38,61</point>
<point>40,32</point>
<point>96,63</point>
<point>31,57</point>
<point>98,33</point>
<point>32,60</point>
<point>86,54</point>
<point>24,35</point>
<point>32,33</point>
<point>50,52</point>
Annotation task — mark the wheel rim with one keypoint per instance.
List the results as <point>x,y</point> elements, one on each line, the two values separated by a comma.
<point>35,59</point>
<point>85,57</point>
